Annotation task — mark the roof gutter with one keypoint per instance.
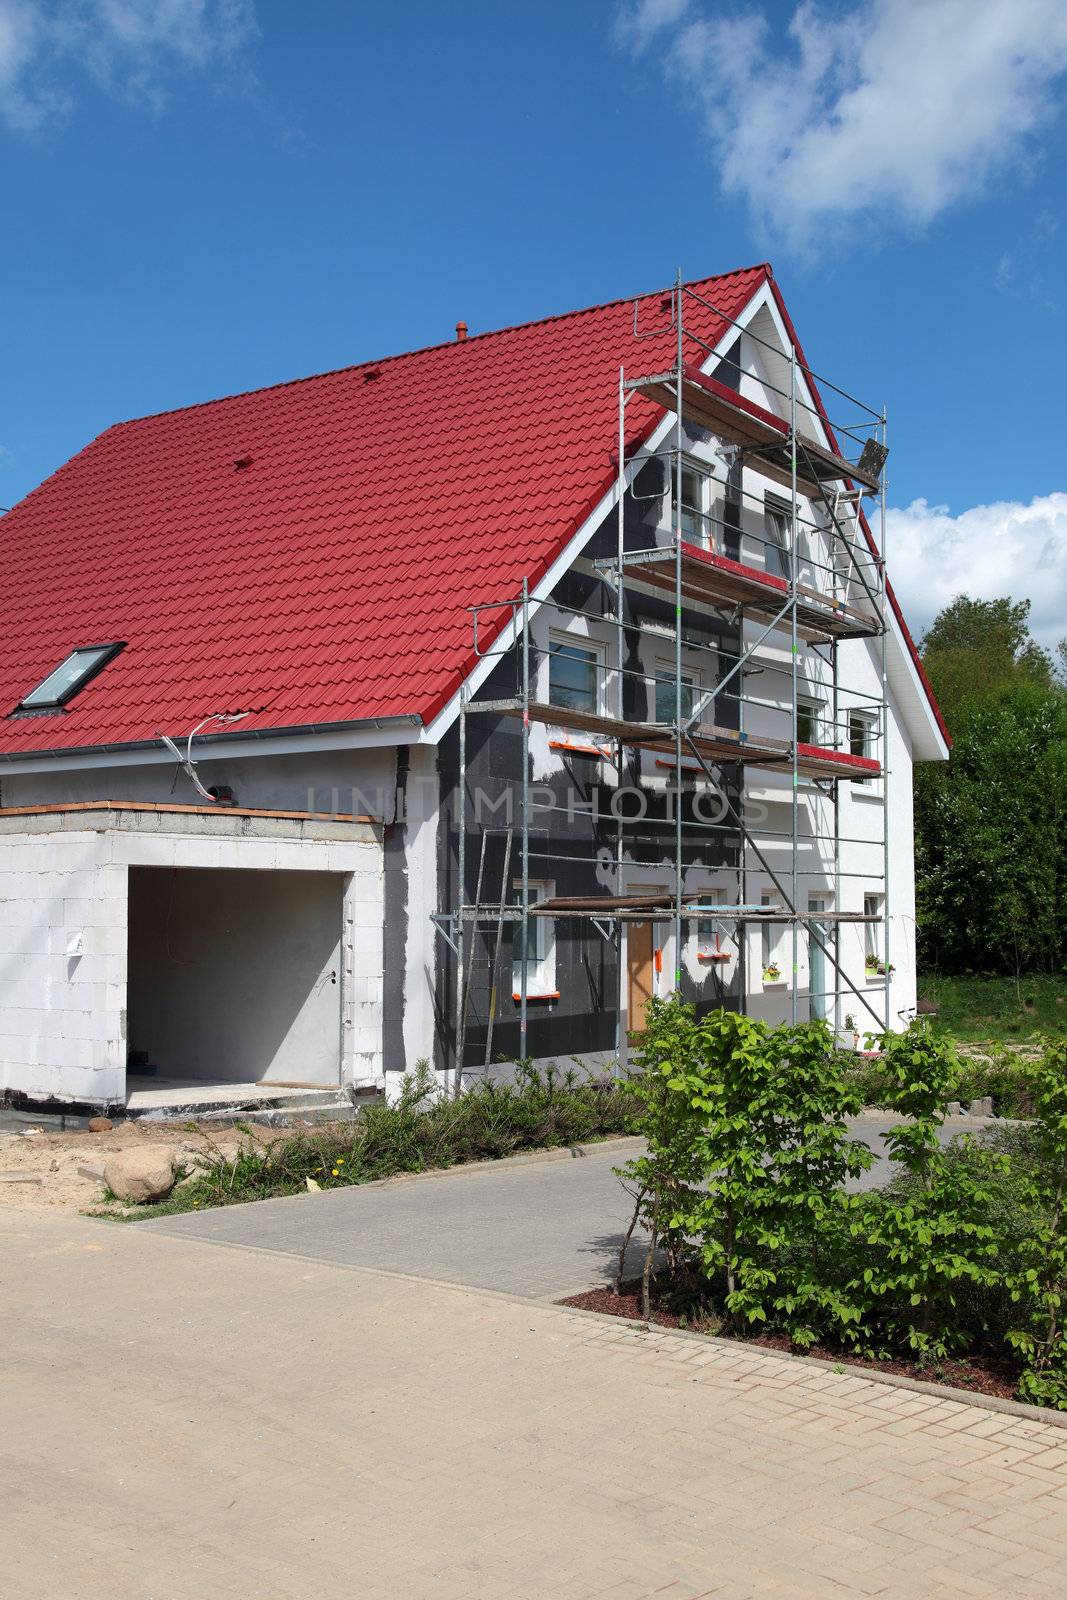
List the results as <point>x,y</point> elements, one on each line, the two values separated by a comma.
<point>231,743</point>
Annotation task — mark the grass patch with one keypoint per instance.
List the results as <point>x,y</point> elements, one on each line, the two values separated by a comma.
<point>980,1009</point>
<point>421,1131</point>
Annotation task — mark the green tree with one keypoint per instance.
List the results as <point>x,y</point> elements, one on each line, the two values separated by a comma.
<point>977,646</point>
<point>991,853</point>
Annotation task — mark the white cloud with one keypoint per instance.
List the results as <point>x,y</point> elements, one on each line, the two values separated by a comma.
<point>639,23</point>
<point>1004,549</point>
<point>133,48</point>
<point>898,106</point>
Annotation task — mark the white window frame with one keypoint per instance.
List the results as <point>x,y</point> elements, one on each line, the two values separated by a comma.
<point>777,513</point>
<point>817,709</point>
<point>541,969</point>
<point>701,534</point>
<point>872,932</point>
<point>707,934</point>
<point>869,721</point>
<point>770,943</point>
<point>578,641</point>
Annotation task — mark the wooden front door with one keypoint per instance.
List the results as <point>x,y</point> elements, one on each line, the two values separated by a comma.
<point>640,966</point>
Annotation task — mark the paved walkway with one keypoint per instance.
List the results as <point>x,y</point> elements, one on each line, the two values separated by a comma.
<point>546,1229</point>
<point>182,1421</point>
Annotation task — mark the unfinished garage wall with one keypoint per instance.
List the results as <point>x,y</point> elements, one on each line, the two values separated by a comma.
<point>62,967</point>
<point>235,976</point>
<point>63,932</point>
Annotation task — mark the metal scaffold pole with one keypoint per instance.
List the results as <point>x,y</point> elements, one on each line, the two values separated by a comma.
<point>461,899</point>
<point>525,965</point>
<point>793,561</point>
<point>883,721</point>
<point>620,650</point>
<point>835,797</point>
<point>679,439</point>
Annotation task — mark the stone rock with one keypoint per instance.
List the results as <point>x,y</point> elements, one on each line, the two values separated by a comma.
<point>100,1124</point>
<point>92,1172</point>
<point>982,1107</point>
<point>140,1175</point>
<point>954,1109</point>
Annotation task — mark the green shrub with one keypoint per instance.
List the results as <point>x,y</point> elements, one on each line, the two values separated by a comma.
<point>983,1310</point>
<point>748,1153</point>
<point>1006,1078</point>
<point>422,1129</point>
<point>1039,1285</point>
<point>743,1184</point>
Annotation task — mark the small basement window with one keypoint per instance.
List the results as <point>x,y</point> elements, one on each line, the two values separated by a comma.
<point>71,675</point>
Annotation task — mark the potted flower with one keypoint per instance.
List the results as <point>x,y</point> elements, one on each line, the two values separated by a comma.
<point>850,1027</point>
<point>772,973</point>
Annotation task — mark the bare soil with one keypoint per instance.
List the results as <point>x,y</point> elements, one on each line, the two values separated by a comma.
<point>978,1375</point>
<point>53,1158</point>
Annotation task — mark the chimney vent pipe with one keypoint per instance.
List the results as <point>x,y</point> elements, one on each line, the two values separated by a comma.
<point>461,332</point>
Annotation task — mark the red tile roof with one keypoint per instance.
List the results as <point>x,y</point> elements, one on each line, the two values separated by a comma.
<point>328,579</point>
<point>310,550</point>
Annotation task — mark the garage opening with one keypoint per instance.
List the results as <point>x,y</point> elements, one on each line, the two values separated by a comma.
<point>234,979</point>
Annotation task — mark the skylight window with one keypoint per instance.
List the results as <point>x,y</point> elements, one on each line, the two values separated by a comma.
<point>70,676</point>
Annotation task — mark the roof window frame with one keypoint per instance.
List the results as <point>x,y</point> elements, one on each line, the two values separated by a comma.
<point>28,705</point>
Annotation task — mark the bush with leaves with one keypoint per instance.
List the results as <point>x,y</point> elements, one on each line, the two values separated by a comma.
<point>748,1154</point>
<point>665,1180</point>
<point>920,1247</point>
<point>1005,1077</point>
<point>1039,1287</point>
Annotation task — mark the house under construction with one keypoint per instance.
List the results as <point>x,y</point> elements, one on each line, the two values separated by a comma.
<point>453,705</point>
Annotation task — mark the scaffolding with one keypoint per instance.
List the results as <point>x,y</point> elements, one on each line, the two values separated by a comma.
<point>776,593</point>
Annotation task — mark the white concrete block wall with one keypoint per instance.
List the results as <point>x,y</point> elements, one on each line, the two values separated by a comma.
<point>362,964</point>
<point>62,968</point>
<point>421,952</point>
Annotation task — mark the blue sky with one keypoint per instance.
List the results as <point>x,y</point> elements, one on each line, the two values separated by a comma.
<point>202,196</point>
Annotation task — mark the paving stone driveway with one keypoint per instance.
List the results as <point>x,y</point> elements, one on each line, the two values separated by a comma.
<point>182,1420</point>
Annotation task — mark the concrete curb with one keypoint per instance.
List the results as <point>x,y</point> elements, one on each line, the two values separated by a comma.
<point>525,1158</point>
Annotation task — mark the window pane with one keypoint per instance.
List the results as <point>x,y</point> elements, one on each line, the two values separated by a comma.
<point>665,696</point>
<point>858,735</point>
<point>806,729</point>
<point>572,677</point>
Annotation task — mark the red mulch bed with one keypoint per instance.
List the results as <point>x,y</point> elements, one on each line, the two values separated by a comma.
<point>977,1374</point>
